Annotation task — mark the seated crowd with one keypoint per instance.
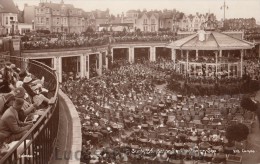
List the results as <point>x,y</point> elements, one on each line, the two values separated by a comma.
<point>252,68</point>
<point>23,99</point>
<point>127,118</point>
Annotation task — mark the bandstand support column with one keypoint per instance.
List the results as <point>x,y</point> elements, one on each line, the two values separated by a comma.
<point>216,63</point>
<point>228,70</point>
<point>112,55</point>
<point>173,56</point>
<point>58,67</point>
<point>87,65</point>
<point>241,63</point>
<point>197,54</point>
<point>131,55</point>
<point>152,54</point>
<point>82,65</point>
<point>99,69</point>
<point>207,72</point>
<point>106,53</point>
<point>187,63</point>
<point>52,63</point>
<point>220,53</point>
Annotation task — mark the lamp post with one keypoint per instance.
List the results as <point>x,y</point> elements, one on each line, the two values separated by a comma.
<point>12,29</point>
<point>224,7</point>
<point>32,25</point>
<point>12,25</point>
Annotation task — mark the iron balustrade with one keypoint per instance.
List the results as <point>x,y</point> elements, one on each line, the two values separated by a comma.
<point>38,144</point>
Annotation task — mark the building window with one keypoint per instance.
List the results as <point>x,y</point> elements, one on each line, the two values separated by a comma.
<point>47,21</point>
<point>145,21</point>
<point>153,21</point>
<point>41,20</point>
<point>6,20</point>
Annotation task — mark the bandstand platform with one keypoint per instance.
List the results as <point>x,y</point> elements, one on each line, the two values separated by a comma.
<point>210,53</point>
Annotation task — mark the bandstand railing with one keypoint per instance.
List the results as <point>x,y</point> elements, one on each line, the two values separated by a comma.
<point>37,145</point>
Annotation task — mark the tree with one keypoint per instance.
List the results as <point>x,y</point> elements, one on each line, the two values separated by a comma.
<point>89,30</point>
<point>248,104</point>
<point>237,132</point>
<point>138,31</point>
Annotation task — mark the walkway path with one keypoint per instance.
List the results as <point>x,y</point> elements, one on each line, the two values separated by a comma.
<point>64,137</point>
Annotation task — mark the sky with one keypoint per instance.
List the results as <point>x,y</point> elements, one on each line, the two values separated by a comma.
<point>236,8</point>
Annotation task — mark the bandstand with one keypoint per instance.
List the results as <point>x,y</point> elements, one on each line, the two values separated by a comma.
<point>209,53</point>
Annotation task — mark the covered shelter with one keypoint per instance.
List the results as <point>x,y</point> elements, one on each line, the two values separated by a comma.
<point>210,53</point>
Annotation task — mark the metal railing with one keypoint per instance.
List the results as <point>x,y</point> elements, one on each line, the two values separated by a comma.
<point>38,144</point>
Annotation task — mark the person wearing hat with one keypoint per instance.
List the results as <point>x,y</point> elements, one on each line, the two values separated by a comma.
<point>6,80</point>
<point>6,101</point>
<point>11,128</point>
<point>22,75</point>
<point>33,94</point>
<point>27,107</point>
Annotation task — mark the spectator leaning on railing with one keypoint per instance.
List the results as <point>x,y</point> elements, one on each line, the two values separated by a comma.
<point>6,100</point>
<point>11,128</point>
<point>16,105</point>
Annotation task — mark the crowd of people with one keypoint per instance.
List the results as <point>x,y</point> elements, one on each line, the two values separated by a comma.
<point>23,99</point>
<point>126,117</point>
<point>252,34</point>
<point>252,68</point>
<point>49,41</point>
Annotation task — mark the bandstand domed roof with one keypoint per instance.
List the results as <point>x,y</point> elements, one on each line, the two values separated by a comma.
<point>210,40</point>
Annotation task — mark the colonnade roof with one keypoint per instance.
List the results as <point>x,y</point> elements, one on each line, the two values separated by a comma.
<point>213,41</point>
